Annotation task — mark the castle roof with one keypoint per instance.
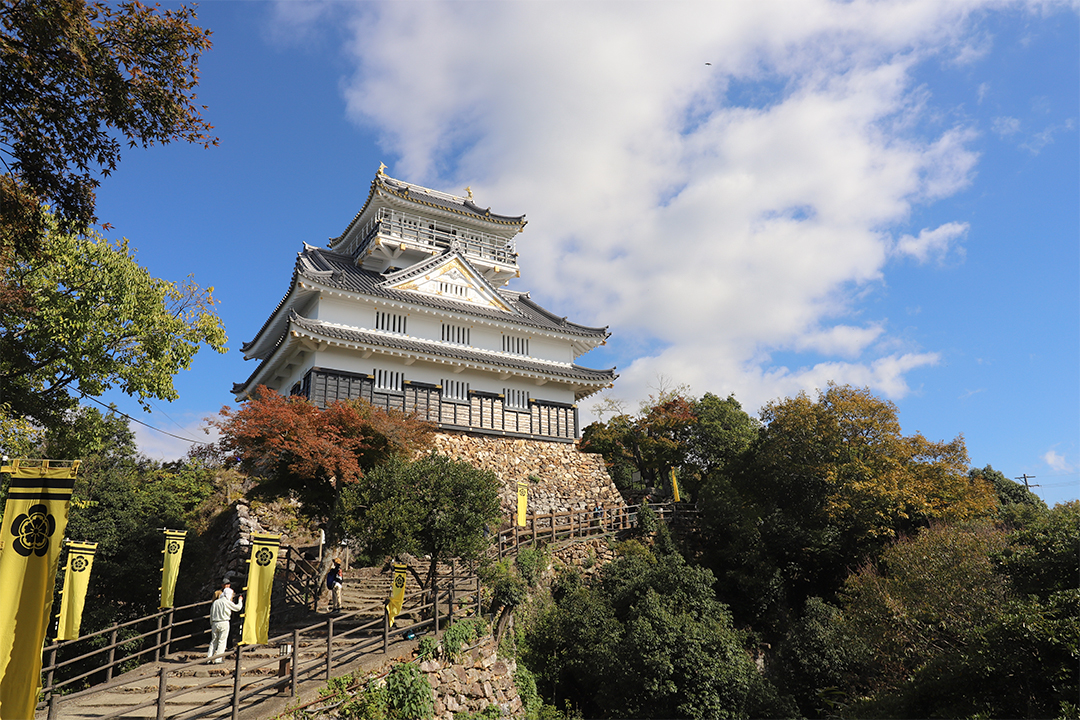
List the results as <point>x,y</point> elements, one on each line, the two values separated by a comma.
<point>318,268</point>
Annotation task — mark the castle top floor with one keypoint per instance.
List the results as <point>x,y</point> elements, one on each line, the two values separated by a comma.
<point>402,224</point>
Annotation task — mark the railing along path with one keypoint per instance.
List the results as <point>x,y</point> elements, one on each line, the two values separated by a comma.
<point>161,634</point>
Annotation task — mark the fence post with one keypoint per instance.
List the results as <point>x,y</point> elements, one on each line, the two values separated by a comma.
<point>112,655</point>
<point>476,611</point>
<point>453,590</point>
<point>435,601</point>
<point>295,660</point>
<point>52,668</point>
<point>157,640</point>
<point>53,702</point>
<point>385,629</point>
<point>162,688</point>
<point>236,684</point>
<point>329,646</point>
<point>168,630</point>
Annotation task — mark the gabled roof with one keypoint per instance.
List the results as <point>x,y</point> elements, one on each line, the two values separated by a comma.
<point>389,187</point>
<point>327,269</point>
<point>300,328</point>
<point>397,280</point>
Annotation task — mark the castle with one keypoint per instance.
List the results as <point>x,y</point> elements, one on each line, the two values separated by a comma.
<point>408,309</point>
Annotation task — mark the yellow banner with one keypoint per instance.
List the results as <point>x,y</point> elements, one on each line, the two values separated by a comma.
<point>31,532</point>
<point>397,593</point>
<point>170,565</point>
<point>674,486</point>
<point>80,561</point>
<point>264,550</point>
<point>523,503</point>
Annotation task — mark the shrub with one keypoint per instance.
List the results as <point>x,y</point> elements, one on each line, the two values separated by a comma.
<point>409,693</point>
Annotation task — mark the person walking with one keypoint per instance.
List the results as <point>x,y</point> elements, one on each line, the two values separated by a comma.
<point>334,581</point>
<point>221,611</point>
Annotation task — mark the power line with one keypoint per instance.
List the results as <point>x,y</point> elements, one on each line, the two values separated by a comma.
<point>112,409</point>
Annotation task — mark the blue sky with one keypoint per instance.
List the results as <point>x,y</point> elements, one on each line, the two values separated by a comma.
<point>757,198</point>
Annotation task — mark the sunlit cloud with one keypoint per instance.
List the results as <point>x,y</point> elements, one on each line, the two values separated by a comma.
<point>1056,461</point>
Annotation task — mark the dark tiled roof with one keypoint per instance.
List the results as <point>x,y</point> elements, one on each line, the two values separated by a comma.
<point>432,349</point>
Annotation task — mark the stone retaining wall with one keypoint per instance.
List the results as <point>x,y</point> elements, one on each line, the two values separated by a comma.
<point>482,678</point>
<point>561,477</point>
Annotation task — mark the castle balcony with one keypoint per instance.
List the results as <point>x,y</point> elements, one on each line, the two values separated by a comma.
<point>407,233</point>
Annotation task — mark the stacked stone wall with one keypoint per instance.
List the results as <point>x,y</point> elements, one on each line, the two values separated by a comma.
<point>560,477</point>
<point>480,679</point>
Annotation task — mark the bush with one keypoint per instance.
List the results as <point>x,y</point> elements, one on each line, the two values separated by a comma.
<point>461,634</point>
<point>530,563</point>
<point>409,693</point>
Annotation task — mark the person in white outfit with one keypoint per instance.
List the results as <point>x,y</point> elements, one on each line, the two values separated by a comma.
<point>221,611</point>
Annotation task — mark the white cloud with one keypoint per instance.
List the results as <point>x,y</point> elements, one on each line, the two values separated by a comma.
<point>1056,461</point>
<point>661,201</point>
<point>932,244</point>
<point>1005,126</point>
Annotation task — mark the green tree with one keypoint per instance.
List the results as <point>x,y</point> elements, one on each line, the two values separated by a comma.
<point>98,320</point>
<point>648,640</point>
<point>927,594</point>
<point>1017,505</point>
<point>718,438</point>
<point>826,485</point>
<point>977,654</point>
<point>434,506</point>
<point>77,79</point>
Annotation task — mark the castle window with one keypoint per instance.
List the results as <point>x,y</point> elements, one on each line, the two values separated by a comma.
<point>453,289</point>
<point>515,344</point>
<point>388,380</point>
<point>390,322</point>
<point>455,390</point>
<point>516,399</point>
<point>455,333</point>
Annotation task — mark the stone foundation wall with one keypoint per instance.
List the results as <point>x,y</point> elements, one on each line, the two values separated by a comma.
<point>560,477</point>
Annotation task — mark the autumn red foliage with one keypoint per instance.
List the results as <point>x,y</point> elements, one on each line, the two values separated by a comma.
<point>300,449</point>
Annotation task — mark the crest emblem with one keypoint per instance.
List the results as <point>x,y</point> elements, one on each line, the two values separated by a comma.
<point>173,547</point>
<point>264,557</point>
<point>32,531</point>
<point>79,564</point>
<point>399,581</point>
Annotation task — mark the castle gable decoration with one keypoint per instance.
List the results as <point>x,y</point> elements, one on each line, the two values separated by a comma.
<point>408,309</point>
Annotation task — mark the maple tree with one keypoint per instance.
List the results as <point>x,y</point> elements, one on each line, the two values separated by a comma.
<point>77,79</point>
<point>298,449</point>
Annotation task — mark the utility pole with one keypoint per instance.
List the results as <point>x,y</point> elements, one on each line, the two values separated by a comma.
<point>1025,477</point>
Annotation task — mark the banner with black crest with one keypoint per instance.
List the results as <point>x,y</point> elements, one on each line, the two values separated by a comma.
<point>80,561</point>
<point>261,565</point>
<point>170,565</point>
<point>35,518</point>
